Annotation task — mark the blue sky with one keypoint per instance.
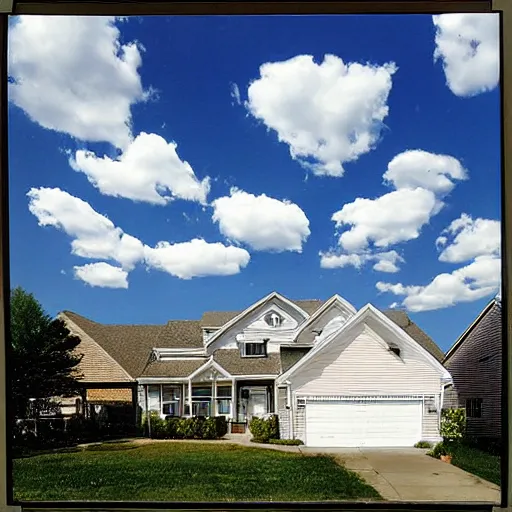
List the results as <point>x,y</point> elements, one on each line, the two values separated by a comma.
<point>264,157</point>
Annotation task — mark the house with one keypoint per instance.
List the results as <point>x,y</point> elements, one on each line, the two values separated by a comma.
<point>475,363</point>
<point>335,376</point>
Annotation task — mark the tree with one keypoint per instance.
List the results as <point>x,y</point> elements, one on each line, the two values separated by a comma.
<point>43,362</point>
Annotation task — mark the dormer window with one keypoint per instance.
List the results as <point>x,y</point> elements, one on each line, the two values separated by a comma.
<point>273,319</point>
<point>254,349</point>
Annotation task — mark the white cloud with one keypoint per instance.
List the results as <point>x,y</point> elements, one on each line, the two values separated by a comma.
<point>328,113</point>
<point>385,261</point>
<point>394,217</point>
<point>470,238</point>
<point>72,75</point>
<point>468,45</point>
<point>149,170</point>
<point>262,222</point>
<point>196,258</point>
<point>102,274</point>
<point>235,94</point>
<point>417,168</point>
<point>479,279</point>
<point>94,235</point>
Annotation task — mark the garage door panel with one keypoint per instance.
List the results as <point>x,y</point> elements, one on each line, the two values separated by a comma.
<point>370,423</point>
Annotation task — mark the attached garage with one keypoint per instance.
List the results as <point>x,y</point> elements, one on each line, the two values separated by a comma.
<point>363,422</point>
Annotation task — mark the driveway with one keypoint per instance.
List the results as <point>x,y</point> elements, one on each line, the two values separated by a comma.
<point>408,474</point>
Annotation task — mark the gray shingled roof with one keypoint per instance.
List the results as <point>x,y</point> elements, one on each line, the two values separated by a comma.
<point>233,363</point>
<point>404,322</point>
<point>131,345</point>
<point>219,318</point>
<point>174,368</point>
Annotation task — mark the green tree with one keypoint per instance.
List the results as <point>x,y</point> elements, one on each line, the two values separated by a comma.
<point>43,362</point>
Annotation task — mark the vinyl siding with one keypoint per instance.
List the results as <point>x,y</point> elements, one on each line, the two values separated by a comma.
<point>474,378</point>
<point>430,426</point>
<point>366,367</point>
<point>300,424</point>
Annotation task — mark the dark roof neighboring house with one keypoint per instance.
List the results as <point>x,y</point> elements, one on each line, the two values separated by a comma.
<point>131,345</point>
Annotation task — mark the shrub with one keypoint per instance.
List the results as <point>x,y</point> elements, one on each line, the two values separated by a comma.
<point>221,426</point>
<point>453,424</point>
<point>172,427</point>
<point>286,442</point>
<point>208,430</point>
<point>438,450</point>
<point>157,426</point>
<point>423,444</point>
<point>264,429</point>
<point>185,428</point>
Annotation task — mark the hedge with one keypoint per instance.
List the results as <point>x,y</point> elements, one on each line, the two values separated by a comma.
<point>264,429</point>
<point>453,425</point>
<point>197,427</point>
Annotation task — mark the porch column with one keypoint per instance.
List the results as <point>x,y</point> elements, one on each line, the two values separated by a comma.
<point>233,400</point>
<point>190,397</point>
<point>214,396</point>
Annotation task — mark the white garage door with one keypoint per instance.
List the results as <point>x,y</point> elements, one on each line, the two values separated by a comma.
<point>363,423</point>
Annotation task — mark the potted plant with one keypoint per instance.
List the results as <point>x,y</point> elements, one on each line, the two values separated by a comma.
<point>440,451</point>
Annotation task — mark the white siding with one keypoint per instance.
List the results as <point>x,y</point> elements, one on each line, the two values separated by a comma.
<point>308,336</point>
<point>300,423</point>
<point>366,367</point>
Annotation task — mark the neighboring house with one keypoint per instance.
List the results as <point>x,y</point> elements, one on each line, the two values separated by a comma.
<point>334,375</point>
<point>475,363</point>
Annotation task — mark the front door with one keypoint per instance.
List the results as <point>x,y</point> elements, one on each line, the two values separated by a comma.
<point>257,405</point>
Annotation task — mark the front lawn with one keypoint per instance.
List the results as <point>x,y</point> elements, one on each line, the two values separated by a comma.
<point>479,463</point>
<point>168,471</point>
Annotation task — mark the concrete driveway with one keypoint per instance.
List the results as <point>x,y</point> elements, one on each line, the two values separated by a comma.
<point>408,474</point>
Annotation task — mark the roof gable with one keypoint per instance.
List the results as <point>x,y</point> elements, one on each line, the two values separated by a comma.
<point>492,305</point>
<point>378,322</point>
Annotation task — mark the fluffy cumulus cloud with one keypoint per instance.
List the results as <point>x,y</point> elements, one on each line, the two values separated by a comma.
<point>475,242</point>
<point>72,74</point>
<point>468,46</point>
<point>149,170</point>
<point>416,168</point>
<point>196,258</point>
<point>94,235</point>
<point>469,283</point>
<point>383,261</point>
<point>367,226</point>
<point>328,113</point>
<point>262,222</point>
<point>102,275</point>
<point>466,238</point>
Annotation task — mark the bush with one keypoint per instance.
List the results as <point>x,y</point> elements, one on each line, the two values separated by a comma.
<point>423,444</point>
<point>197,427</point>
<point>439,449</point>
<point>453,425</point>
<point>264,429</point>
<point>286,442</point>
<point>490,445</point>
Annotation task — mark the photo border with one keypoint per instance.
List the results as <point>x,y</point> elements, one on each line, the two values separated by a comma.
<point>166,7</point>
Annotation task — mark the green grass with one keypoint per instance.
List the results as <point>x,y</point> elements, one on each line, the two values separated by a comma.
<point>185,472</point>
<point>478,463</point>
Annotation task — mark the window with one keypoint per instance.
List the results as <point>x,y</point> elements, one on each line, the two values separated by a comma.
<point>224,400</point>
<point>171,396</point>
<point>474,407</point>
<point>154,398</point>
<point>201,400</point>
<point>273,319</point>
<point>254,349</point>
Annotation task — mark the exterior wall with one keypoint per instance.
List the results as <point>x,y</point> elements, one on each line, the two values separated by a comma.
<point>366,367</point>
<point>283,413</point>
<point>430,426</point>
<point>451,398</point>
<point>109,395</point>
<point>476,370</point>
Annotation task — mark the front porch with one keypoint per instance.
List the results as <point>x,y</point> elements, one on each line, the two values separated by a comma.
<point>212,393</point>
